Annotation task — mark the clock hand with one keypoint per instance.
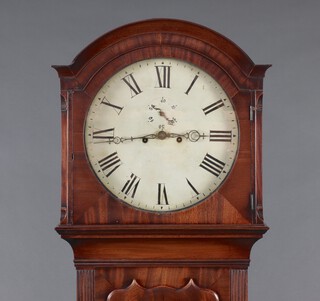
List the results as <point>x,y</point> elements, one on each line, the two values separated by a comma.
<point>144,138</point>
<point>163,114</point>
<point>170,121</point>
<point>158,135</point>
<point>192,136</point>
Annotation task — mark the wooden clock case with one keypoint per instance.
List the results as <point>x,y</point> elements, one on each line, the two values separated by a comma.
<point>201,253</point>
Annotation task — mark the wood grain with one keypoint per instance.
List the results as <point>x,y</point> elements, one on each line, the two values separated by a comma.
<point>136,292</point>
<point>239,283</point>
<point>85,285</point>
<point>118,249</point>
<point>90,70</point>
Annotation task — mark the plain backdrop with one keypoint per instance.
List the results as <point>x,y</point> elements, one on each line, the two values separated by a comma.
<point>35,264</point>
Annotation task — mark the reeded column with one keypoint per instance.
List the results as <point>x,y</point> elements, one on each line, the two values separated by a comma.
<point>85,285</point>
<point>239,285</point>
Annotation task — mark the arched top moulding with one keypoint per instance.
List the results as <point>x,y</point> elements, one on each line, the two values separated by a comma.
<point>159,37</point>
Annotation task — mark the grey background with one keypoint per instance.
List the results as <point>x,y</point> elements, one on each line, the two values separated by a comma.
<point>35,264</point>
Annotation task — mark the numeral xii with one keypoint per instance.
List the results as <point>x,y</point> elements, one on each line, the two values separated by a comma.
<point>163,75</point>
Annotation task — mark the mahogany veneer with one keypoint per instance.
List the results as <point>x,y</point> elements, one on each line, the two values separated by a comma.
<point>202,253</point>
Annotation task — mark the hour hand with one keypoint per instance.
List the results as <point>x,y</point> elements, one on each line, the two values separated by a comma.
<point>161,135</point>
<point>192,136</point>
<point>144,138</point>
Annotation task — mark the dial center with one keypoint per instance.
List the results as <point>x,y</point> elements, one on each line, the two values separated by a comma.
<point>162,135</point>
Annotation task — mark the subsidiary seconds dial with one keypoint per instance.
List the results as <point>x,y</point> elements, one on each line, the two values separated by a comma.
<point>161,135</point>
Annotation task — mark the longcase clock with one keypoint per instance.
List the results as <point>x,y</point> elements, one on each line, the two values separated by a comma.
<point>161,164</point>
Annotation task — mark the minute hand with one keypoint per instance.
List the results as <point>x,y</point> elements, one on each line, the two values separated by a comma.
<point>192,136</point>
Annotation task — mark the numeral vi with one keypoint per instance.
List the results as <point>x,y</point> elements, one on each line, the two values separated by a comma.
<point>162,194</point>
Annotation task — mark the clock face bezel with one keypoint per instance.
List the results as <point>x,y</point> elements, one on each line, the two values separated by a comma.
<point>236,140</point>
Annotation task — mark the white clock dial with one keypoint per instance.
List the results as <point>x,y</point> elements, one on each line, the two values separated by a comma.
<point>161,135</point>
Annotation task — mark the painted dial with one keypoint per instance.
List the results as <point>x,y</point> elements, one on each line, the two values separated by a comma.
<point>161,135</point>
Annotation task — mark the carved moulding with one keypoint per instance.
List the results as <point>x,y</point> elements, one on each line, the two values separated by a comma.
<point>136,292</point>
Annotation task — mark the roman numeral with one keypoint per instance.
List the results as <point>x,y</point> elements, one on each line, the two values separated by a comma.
<point>110,163</point>
<point>192,187</point>
<point>212,165</point>
<point>223,136</point>
<point>214,106</point>
<point>103,134</point>
<point>162,194</point>
<point>163,74</point>
<point>191,85</point>
<point>130,187</point>
<point>132,84</point>
<point>106,102</point>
